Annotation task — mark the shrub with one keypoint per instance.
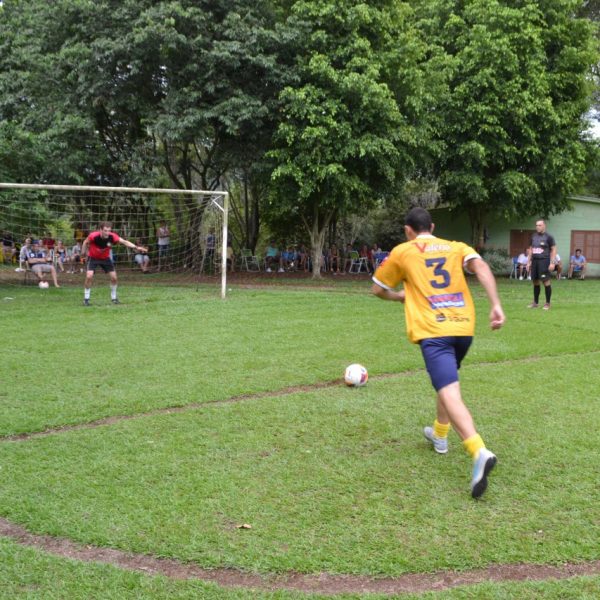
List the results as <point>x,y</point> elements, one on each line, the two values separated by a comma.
<point>499,260</point>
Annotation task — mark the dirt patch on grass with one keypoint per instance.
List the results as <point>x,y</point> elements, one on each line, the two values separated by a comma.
<point>321,583</point>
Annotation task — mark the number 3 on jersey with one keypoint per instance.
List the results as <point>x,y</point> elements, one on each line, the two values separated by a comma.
<point>438,271</point>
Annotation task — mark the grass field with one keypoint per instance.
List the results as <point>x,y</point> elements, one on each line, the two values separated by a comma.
<point>332,480</point>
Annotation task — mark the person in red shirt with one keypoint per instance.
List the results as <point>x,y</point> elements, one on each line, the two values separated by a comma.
<point>97,247</point>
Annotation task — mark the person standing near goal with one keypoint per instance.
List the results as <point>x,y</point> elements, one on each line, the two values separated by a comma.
<point>440,317</point>
<point>97,248</point>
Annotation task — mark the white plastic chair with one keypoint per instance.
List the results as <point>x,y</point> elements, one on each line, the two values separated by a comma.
<point>249,261</point>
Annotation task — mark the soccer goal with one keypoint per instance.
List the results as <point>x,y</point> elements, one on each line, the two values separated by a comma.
<point>185,231</point>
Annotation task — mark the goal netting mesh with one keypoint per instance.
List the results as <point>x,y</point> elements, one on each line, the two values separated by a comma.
<point>184,231</point>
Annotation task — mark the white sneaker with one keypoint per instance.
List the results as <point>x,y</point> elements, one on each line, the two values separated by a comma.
<point>440,445</point>
<point>281,270</point>
<point>482,466</point>
<point>521,278</point>
<point>269,271</point>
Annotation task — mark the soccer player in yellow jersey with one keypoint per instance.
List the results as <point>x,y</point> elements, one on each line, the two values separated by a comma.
<point>440,317</point>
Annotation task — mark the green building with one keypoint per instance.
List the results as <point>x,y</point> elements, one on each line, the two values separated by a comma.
<point>575,228</point>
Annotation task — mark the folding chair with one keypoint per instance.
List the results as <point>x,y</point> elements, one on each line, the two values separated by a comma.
<point>514,272</point>
<point>248,261</point>
<point>358,262</point>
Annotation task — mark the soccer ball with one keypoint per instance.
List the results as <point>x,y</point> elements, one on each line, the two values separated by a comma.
<point>356,375</point>
<point>44,285</point>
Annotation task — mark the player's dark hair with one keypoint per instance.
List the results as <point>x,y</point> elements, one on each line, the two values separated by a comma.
<point>419,220</point>
<point>104,224</point>
<point>577,249</point>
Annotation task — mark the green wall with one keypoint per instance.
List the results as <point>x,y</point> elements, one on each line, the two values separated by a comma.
<point>585,215</point>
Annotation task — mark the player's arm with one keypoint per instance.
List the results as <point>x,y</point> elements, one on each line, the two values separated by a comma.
<point>84,247</point>
<point>386,294</point>
<point>486,278</point>
<point>132,245</point>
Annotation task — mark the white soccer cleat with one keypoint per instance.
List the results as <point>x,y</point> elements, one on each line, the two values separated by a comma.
<point>482,466</point>
<point>440,445</point>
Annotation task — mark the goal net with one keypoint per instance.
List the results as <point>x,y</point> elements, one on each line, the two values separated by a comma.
<point>185,232</point>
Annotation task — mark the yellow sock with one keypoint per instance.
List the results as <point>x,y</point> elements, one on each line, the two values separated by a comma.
<point>440,430</point>
<point>473,445</point>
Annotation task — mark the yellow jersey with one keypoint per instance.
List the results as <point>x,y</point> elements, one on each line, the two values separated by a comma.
<point>438,302</point>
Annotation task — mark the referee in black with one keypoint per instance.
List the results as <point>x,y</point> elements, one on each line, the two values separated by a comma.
<point>542,259</point>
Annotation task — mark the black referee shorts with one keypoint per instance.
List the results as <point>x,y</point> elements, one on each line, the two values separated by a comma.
<point>540,269</point>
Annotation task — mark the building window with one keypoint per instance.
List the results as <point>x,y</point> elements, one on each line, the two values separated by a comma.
<point>589,242</point>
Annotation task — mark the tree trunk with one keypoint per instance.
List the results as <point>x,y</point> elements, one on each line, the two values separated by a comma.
<point>476,218</point>
<point>317,232</point>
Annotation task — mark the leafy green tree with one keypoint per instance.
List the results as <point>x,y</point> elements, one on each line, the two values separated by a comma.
<point>176,93</point>
<point>518,90</point>
<point>349,126</point>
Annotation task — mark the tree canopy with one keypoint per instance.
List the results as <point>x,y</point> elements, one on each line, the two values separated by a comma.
<point>518,89</point>
<point>306,111</point>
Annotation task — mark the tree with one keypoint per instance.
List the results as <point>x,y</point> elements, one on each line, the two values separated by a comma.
<point>348,128</point>
<point>142,93</point>
<point>518,89</point>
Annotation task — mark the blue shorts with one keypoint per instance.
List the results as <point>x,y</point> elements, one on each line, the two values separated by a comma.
<point>443,356</point>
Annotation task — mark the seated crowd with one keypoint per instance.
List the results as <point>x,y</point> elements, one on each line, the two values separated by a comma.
<point>291,257</point>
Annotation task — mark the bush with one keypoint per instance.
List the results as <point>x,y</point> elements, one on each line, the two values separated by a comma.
<point>499,260</point>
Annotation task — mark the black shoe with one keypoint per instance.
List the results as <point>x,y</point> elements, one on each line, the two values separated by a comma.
<point>115,301</point>
<point>86,302</point>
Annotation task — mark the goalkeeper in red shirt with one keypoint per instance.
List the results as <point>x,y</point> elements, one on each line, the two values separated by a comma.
<point>440,317</point>
<point>97,248</point>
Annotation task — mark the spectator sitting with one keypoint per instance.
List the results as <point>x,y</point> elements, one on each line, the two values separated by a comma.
<point>523,264</point>
<point>335,263</point>
<point>577,264</point>
<point>9,250</point>
<point>76,257</point>
<point>38,262</point>
<point>348,258</point>
<point>558,268</point>
<point>230,257</point>
<point>375,250</point>
<point>365,253</point>
<point>271,256</point>
<point>303,258</point>
<point>60,253</point>
<point>289,258</point>
<point>141,257</point>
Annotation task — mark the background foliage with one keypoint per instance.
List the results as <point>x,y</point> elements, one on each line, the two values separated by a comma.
<point>307,112</point>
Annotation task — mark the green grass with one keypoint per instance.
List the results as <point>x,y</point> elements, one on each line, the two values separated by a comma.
<point>331,479</point>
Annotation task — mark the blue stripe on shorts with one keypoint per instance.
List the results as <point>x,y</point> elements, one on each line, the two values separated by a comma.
<point>443,356</point>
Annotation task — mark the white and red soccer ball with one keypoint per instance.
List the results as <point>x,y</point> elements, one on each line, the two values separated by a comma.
<point>356,375</point>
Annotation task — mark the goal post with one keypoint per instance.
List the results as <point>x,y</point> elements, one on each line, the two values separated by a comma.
<point>193,246</point>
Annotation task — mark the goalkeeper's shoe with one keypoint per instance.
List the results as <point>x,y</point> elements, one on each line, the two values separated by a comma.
<point>440,445</point>
<point>86,302</point>
<point>482,466</point>
<point>115,301</point>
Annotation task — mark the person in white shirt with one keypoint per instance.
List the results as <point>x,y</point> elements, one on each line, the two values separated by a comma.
<point>522,263</point>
